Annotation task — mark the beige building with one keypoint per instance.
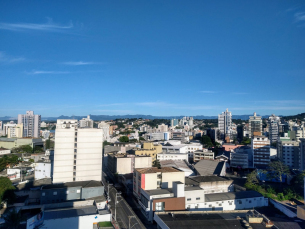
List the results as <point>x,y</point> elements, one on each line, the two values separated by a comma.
<point>154,178</point>
<point>77,153</point>
<point>149,149</point>
<point>10,143</point>
<point>15,132</point>
<point>261,150</point>
<point>205,154</point>
<point>122,163</point>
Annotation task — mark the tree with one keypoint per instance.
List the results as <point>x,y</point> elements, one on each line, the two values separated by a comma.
<point>252,178</point>
<point>277,169</point>
<point>206,140</point>
<point>156,163</point>
<point>124,139</point>
<point>23,149</point>
<point>6,190</point>
<point>246,141</point>
<point>142,139</point>
<point>105,143</point>
<point>13,219</point>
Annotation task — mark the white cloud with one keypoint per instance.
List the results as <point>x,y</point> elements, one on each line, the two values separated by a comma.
<point>300,16</point>
<point>208,92</point>
<point>75,63</point>
<point>34,72</point>
<point>9,59</point>
<point>48,27</point>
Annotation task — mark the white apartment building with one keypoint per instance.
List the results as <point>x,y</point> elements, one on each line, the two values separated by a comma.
<point>225,124</point>
<point>7,126</point>
<point>43,124</point>
<point>261,150</point>
<point>255,125</point>
<point>273,122</point>
<point>15,132</point>
<point>43,169</point>
<point>172,156</point>
<point>77,153</point>
<point>31,124</point>
<point>86,122</point>
<point>288,152</point>
<point>105,127</point>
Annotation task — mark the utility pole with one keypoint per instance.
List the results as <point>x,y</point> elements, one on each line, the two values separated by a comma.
<point>129,217</point>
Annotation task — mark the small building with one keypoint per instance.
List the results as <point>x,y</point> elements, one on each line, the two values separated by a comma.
<point>43,169</point>
<point>4,151</point>
<point>172,156</point>
<point>205,154</point>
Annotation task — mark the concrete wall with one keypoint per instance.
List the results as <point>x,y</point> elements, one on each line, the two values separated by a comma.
<point>142,162</point>
<point>59,195</point>
<point>194,197</point>
<point>169,178</point>
<point>92,192</point>
<point>217,186</point>
<point>150,181</point>
<point>43,170</point>
<point>124,165</point>
<point>81,222</point>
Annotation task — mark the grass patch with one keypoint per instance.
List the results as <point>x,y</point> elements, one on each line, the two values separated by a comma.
<point>105,224</point>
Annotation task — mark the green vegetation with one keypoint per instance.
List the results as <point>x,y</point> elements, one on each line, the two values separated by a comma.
<point>23,149</point>
<point>124,139</point>
<point>142,139</point>
<point>49,144</point>
<point>105,143</point>
<point>155,122</point>
<point>278,169</point>
<point>246,141</point>
<point>206,141</point>
<point>156,163</point>
<point>105,224</point>
<point>8,160</point>
<point>6,190</point>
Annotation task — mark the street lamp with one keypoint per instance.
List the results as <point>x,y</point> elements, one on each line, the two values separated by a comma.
<point>116,201</point>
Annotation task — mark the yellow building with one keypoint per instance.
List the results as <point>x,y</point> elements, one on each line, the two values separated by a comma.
<point>15,132</point>
<point>149,149</point>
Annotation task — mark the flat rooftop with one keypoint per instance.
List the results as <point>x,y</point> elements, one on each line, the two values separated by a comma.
<point>231,196</point>
<point>159,191</point>
<point>84,184</point>
<point>208,178</point>
<point>156,170</point>
<point>70,212</point>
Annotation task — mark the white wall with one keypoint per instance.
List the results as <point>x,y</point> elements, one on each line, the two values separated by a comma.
<point>42,170</point>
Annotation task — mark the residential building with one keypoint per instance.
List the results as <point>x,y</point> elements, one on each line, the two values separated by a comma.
<point>174,122</point>
<point>86,122</point>
<point>43,169</point>
<point>105,127</point>
<point>31,124</point>
<point>7,126</point>
<point>172,156</point>
<point>225,124</point>
<point>15,132</point>
<point>158,136</point>
<point>261,151</point>
<point>302,154</point>
<point>298,132</point>
<point>273,122</point>
<point>149,149</point>
<point>180,136</point>
<point>78,152</point>
<point>45,134</point>
<point>203,154</point>
<point>255,125</point>
<point>4,151</point>
<point>10,143</point>
<point>288,152</point>
<point>154,178</point>
<point>43,124</point>
<point>241,157</point>
<point>162,128</point>
<point>123,163</point>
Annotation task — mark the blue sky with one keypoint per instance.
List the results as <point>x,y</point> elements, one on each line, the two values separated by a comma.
<point>152,57</point>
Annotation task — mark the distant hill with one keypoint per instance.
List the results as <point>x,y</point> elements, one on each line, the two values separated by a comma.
<point>298,116</point>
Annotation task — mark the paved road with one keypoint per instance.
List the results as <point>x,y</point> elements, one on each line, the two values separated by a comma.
<point>124,213</point>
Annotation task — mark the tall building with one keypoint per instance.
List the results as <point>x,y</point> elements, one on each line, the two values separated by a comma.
<point>78,152</point>
<point>86,122</point>
<point>162,128</point>
<point>261,151</point>
<point>31,124</point>
<point>273,122</point>
<point>225,124</point>
<point>288,152</point>
<point>105,127</point>
<point>302,154</point>
<point>255,125</point>
<point>174,122</point>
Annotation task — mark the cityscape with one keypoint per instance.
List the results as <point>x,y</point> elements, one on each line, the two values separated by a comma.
<point>157,114</point>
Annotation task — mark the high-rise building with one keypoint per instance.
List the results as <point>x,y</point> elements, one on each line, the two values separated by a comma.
<point>162,128</point>
<point>174,122</point>
<point>288,152</point>
<point>86,122</point>
<point>78,152</point>
<point>255,125</point>
<point>261,151</point>
<point>273,122</point>
<point>31,124</point>
<point>302,154</point>
<point>105,127</point>
<point>225,124</point>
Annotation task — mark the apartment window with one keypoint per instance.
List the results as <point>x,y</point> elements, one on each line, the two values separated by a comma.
<point>250,201</point>
<point>160,206</point>
<point>197,198</point>
<point>230,203</point>
<point>196,206</point>
<point>75,150</point>
<point>220,205</point>
<point>54,193</point>
<point>75,145</point>
<point>210,205</point>
<point>74,156</point>
<point>188,199</point>
<point>43,194</point>
<point>78,191</point>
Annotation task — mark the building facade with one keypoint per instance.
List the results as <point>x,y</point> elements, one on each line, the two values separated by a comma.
<point>78,152</point>
<point>273,122</point>
<point>31,124</point>
<point>261,150</point>
<point>255,125</point>
<point>225,124</point>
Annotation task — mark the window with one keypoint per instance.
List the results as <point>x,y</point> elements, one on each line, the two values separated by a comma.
<point>196,206</point>
<point>210,205</point>
<point>43,194</point>
<point>250,201</point>
<point>54,193</point>
<point>197,198</point>
<point>160,206</point>
<point>220,205</point>
<point>78,191</point>
<point>188,199</point>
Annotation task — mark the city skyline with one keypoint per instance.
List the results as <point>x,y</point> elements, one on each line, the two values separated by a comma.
<point>152,58</point>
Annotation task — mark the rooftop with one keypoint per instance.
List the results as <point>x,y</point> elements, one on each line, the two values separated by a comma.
<point>84,184</point>
<point>156,170</point>
<point>231,196</point>
<point>208,167</point>
<point>69,212</point>
<point>158,192</point>
<point>208,178</point>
